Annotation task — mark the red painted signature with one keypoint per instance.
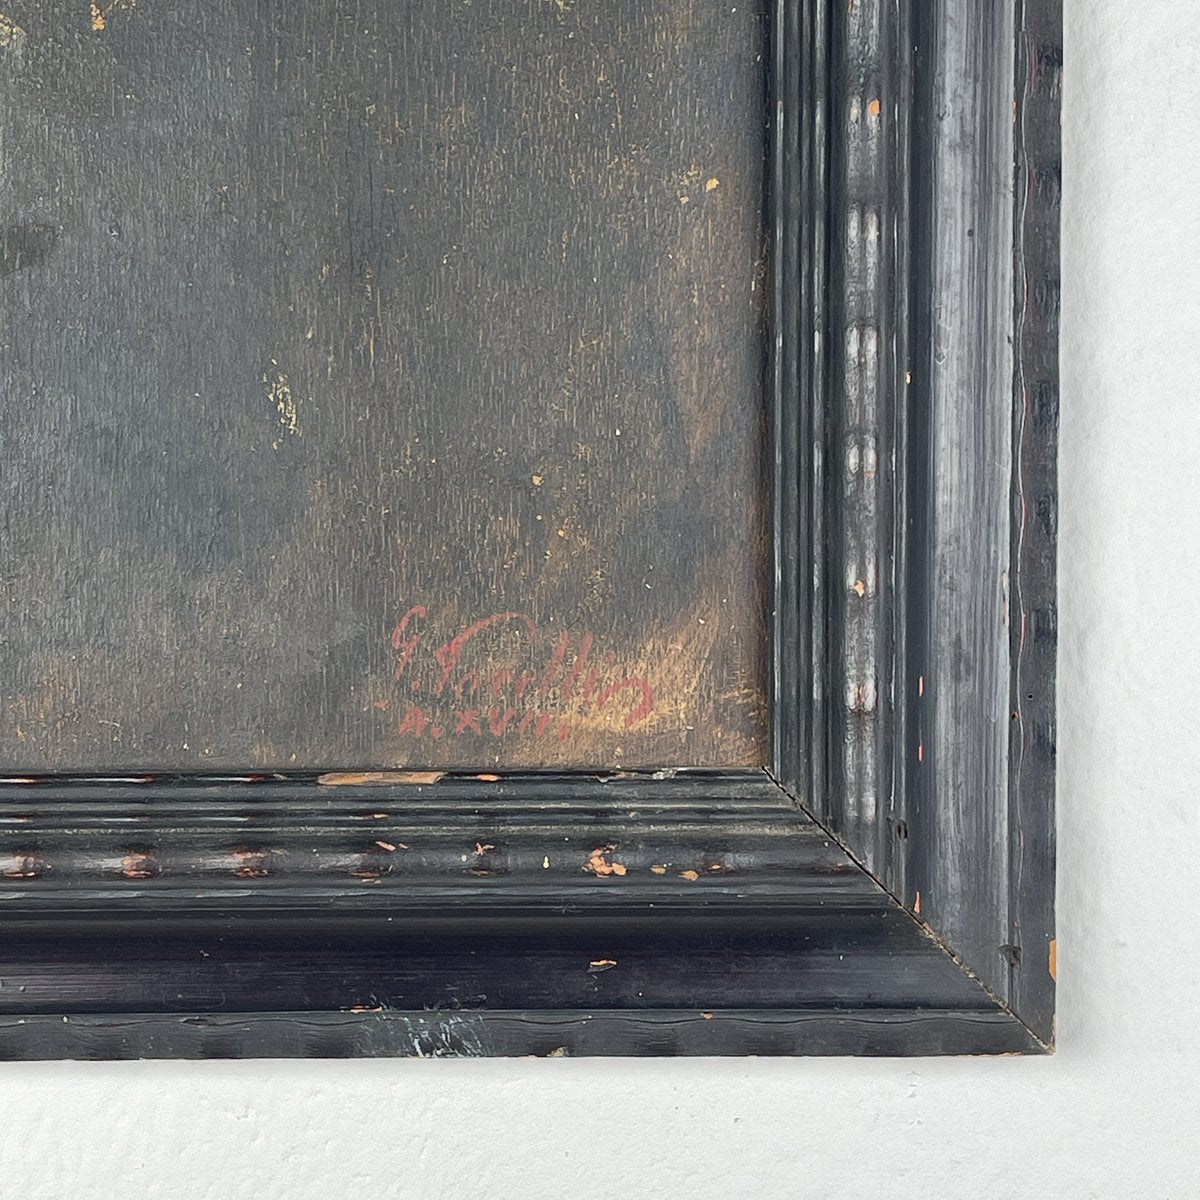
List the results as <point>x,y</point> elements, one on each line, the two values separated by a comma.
<point>501,676</point>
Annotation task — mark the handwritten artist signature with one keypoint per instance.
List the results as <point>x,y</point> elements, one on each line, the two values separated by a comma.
<point>502,676</point>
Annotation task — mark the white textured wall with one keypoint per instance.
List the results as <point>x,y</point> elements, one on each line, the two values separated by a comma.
<point>1112,1115</point>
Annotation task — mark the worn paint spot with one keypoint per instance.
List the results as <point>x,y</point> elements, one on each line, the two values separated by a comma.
<point>1054,959</point>
<point>917,904</point>
<point>100,14</point>
<point>388,846</point>
<point>658,869</point>
<point>598,965</point>
<point>139,865</point>
<point>490,859</point>
<point>12,36</point>
<point>280,394</point>
<point>371,868</point>
<point>873,108</point>
<point>690,876</point>
<point>377,778</point>
<point>25,866</point>
<point>599,863</point>
<point>250,864</point>
<point>712,185</point>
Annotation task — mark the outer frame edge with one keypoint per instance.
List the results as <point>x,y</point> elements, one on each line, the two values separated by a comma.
<point>543,1034</point>
<point>1032,954</point>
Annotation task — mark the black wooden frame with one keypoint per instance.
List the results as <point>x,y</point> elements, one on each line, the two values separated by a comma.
<point>886,887</point>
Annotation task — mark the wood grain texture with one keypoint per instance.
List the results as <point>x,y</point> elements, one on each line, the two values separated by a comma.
<point>315,315</point>
<point>940,618</point>
<point>971,368</point>
<point>958,813</point>
<point>1033,630</point>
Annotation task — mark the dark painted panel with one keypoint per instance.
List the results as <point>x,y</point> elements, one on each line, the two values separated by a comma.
<point>315,313</point>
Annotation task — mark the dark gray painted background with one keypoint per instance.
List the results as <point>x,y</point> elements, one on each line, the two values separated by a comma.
<point>312,313</point>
